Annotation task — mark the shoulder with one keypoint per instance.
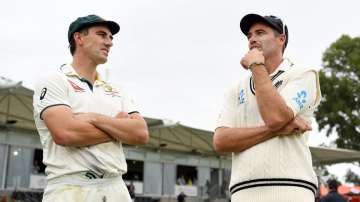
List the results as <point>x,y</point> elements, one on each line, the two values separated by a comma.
<point>52,77</point>
<point>302,71</point>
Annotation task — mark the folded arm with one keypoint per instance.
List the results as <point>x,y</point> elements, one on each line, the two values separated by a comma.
<point>272,107</point>
<point>228,139</point>
<point>127,128</point>
<point>239,139</point>
<point>67,130</point>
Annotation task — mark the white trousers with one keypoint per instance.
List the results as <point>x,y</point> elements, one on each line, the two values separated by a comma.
<point>76,188</point>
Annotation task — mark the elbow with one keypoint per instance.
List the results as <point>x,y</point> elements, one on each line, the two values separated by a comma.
<point>142,137</point>
<point>276,123</point>
<point>61,138</point>
<point>218,143</point>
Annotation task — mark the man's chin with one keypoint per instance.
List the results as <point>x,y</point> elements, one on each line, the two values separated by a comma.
<point>102,61</point>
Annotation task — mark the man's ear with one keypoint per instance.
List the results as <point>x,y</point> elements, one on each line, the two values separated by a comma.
<point>78,38</point>
<point>282,38</point>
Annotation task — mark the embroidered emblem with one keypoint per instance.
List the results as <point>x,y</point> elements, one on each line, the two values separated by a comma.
<point>43,93</point>
<point>76,87</point>
<point>109,90</point>
<point>241,96</point>
<point>300,98</point>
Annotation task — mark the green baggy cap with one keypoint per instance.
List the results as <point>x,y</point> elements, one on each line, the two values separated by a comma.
<point>91,20</point>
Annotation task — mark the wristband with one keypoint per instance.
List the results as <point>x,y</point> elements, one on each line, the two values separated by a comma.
<point>255,63</point>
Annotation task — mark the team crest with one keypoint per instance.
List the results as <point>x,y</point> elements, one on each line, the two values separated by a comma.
<point>109,90</point>
<point>242,96</point>
<point>300,98</point>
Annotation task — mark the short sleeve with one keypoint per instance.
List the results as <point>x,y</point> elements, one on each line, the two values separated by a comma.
<point>49,91</point>
<point>302,93</point>
<point>129,104</point>
<point>227,115</point>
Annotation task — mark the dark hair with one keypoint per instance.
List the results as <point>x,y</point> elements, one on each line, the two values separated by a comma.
<point>277,33</point>
<point>72,45</point>
<point>333,184</point>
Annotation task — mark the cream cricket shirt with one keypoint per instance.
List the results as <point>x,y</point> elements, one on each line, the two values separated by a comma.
<point>66,87</point>
<point>281,161</point>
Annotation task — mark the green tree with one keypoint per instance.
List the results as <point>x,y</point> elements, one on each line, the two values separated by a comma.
<point>339,110</point>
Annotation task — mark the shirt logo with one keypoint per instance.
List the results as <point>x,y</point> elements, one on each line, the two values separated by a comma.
<point>109,90</point>
<point>278,84</point>
<point>43,93</point>
<point>300,98</point>
<point>241,96</point>
<point>76,87</point>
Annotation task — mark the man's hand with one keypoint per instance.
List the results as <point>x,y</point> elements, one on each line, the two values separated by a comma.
<point>126,128</point>
<point>254,55</point>
<point>136,116</point>
<point>122,115</point>
<point>296,126</point>
<point>125,115</point>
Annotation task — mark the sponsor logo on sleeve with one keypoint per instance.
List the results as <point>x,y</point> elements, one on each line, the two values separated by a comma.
<point>278,84</point>
<point>43,93</point>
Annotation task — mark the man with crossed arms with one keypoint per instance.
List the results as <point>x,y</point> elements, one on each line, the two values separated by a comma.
<point>83,121</point>
<point>265,119</point>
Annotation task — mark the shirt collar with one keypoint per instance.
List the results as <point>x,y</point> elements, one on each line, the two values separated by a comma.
<point>285,65</point>
<point>69,71</point>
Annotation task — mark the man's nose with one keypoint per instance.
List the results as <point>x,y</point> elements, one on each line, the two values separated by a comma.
<point>108,42</point>
<point>252,40</point>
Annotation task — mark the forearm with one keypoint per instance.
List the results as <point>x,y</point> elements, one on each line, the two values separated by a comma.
<point>67,130</point>
<point>81,133</point>
<point>126,130</point>
<point>240,139</point>
<point>272,106</point>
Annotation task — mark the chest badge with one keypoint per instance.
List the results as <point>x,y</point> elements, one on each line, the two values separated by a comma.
<point>109,90</point>
<point>300,98</point>
<point>242,96</point>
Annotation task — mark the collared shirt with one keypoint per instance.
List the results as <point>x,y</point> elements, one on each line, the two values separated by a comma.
<point>301,94</point>
<point>283,159</point>
<point>66,87</point>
